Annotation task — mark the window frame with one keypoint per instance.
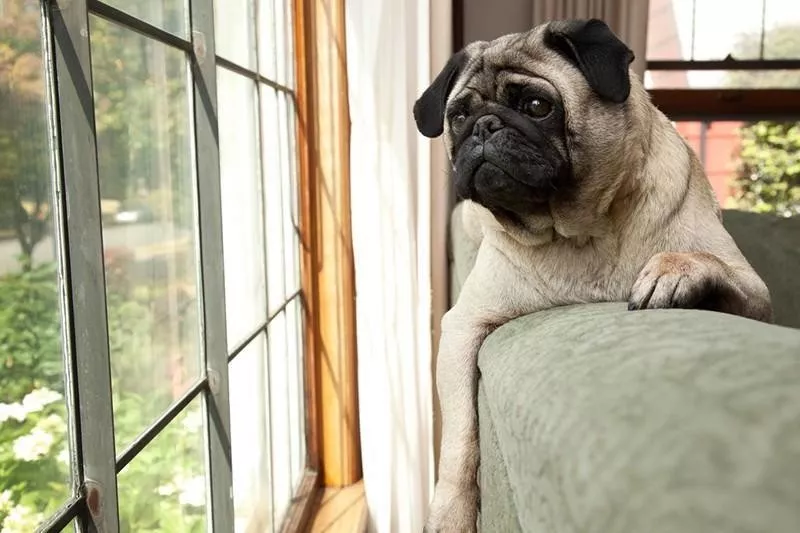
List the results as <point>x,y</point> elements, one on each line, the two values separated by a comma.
<point>703,104</point>
<point>726,104</point>
<point>77,217</point>
<point>328,269</point>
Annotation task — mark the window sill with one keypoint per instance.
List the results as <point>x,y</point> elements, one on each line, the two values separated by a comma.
<point>341,510</point>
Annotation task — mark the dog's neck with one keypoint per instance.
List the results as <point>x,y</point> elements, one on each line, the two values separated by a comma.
<point>543,228</point>
<point>600,203</point>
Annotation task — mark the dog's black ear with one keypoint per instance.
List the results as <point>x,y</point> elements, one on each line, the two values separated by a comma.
<point>429,108</point>
<point>597,52</point>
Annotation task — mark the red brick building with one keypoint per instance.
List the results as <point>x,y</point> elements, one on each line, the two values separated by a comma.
<point>716,143</point>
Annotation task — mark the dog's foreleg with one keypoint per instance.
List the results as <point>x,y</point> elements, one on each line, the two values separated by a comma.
<point>455,503</point>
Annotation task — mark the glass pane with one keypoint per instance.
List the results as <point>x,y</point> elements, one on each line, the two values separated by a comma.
<point>234,31</point>
<point>293,160</point>
<point>148,203</point>
<point>34,449</point>
<point>281,398</point>
<point>291,237</point>
<point>782,38</point>
<point>242,217</point>
<point>751,166</point>
<point>273,192</point>
<point>669,30</point>
<point>727,79</point>
<point>720,30</point>
<point>267,58</point>
<point>284,43</point>
<point>169,15</point>
<point>250,442</point>
<point>280,176</point>
<point>276,41</point>
<point>164,487</point>
<point>296,381</point>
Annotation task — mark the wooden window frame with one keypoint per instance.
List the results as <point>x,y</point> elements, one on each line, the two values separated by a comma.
<point>327,268</point>
<point>727,103</point>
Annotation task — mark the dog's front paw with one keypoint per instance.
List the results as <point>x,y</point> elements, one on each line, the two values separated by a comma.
<point>679,280</point>
<point>454,509</point>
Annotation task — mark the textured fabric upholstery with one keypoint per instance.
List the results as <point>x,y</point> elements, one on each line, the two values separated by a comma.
<point>610,421</point>
<point>772,246</point>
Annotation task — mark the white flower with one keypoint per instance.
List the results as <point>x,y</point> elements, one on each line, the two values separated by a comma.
<point>63,456</point>
<point>12,410</point>
<point>36,399</point>
<point>5,501</point>
<point>53,424</point>
<point>167,490</point>
<point>33,446</point>
<point>193,491</point>
<point>22,519</point>
<point>193,421</point>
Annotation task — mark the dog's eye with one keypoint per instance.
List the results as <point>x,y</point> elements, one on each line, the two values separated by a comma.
<point>535,107</point>
<point>457,120</point>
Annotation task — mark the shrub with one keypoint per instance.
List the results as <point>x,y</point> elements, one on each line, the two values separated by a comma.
<point>161,490</point>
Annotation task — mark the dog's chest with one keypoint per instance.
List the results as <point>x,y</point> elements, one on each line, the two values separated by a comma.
<point>563,273</point>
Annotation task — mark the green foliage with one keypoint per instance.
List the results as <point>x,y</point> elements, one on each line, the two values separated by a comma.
<point>32,415</point>
<point>768,175</point>
<point>160,491</point>
<point>163,489</point>
<point>29,333</point>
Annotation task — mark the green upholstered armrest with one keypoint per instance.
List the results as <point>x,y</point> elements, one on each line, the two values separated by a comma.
<point>597,419</point>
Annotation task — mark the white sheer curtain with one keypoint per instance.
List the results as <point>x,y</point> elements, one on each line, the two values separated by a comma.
<point>387,67</point>
<point>627,18</point>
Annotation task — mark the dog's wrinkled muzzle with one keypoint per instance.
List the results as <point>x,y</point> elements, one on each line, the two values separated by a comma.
<point>505,162</point>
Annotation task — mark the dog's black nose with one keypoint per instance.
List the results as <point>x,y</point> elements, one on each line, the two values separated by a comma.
<point>486,126</point>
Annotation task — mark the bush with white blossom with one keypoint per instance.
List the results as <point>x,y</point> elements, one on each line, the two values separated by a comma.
<point>162,490</point>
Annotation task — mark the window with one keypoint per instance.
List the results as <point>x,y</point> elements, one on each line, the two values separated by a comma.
<point>152,318</point>
<point>703,44</point>
<point>731,80</point>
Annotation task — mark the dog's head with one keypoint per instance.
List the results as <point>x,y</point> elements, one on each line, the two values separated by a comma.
<point>530,119</point>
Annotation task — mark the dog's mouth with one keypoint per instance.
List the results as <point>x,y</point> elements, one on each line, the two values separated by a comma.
<point>507,174</point>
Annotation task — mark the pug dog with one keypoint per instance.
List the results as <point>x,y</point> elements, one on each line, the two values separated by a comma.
<point>579,190</point>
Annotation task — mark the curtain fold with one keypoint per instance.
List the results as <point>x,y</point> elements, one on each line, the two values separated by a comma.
<point>627,18</point>
<point>388,60</point>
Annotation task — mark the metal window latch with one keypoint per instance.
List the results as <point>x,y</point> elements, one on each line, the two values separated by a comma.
<point>199,46</point>
<point>213,381</point>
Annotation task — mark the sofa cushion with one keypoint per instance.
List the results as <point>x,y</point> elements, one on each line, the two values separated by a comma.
<point>772,246</point>
<point>661,421</point>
